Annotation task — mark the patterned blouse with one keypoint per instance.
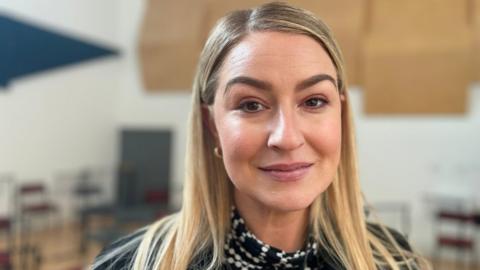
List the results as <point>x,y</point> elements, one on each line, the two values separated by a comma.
<point>244,251</point>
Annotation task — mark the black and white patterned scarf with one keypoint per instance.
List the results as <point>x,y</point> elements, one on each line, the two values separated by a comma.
<point>244,251</point>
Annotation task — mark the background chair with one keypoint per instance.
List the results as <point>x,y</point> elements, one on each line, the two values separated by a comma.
<point>127,212</point>
<point>6,249</point>
<point>454,230</point>
<point>35,212</point>
<point>7,239</point>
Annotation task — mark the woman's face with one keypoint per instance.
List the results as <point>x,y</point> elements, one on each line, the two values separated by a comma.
<point>277,120</point>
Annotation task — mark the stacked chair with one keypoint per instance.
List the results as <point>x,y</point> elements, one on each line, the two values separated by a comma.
<point>91,204</point>
<point>35,212</point>
<point>455,231</point>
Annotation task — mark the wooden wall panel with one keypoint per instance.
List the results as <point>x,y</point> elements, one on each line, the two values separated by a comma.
<point>413,17</point>
<point>170,42</point>
<point>173,33</point>
<point>417,57</point>
<point>476,36</point>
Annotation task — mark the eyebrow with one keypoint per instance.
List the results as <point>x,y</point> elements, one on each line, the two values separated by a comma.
<point>264,85</point>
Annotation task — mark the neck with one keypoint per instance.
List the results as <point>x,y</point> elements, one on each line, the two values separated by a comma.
<point>285,230</point>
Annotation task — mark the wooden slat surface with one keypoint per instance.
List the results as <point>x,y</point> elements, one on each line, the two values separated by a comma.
<point>416,59</point>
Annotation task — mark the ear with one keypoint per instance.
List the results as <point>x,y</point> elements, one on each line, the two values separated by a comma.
<point>208,121</point>
<point>342,97</point>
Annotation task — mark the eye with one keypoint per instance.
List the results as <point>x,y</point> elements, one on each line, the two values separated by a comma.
<point>315,102</point>
<point>251,106</point>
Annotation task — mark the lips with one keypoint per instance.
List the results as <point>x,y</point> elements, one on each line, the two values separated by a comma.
<point>286,172</point>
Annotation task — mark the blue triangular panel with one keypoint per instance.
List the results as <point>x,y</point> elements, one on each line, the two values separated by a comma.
<point>26,49</point>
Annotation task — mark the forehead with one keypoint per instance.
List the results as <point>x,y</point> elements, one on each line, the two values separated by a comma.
<point>271,53</point>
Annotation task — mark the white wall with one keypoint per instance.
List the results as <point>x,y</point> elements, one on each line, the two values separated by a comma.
<point>62,120</point>
<point>97,20</point>
<point>69,119</point>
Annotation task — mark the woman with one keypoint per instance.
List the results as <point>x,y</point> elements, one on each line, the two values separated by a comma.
<point>271,178</point>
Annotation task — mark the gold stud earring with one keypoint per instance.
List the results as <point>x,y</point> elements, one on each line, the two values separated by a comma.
<point>217,152</point>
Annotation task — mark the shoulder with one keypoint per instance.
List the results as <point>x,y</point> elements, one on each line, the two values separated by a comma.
<point>119,254</point>
<point>405,256</point>
<point>384,233</point>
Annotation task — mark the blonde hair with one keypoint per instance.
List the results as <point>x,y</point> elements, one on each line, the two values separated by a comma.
<point>200,227</point>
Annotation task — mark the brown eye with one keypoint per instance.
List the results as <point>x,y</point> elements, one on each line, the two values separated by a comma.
<point>251,106</point>
<point>314,103</point>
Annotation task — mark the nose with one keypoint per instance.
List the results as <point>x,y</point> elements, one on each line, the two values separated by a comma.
<point>285,133</point>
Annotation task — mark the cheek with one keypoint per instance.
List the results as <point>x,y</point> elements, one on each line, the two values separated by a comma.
<point>326,139</point>
<point>238,144</point>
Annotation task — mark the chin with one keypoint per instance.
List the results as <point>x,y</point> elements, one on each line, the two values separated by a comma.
<point>290,203</point>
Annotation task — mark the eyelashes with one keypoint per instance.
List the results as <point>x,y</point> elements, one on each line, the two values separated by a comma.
<point>315,102</point>
<point>253,106</point>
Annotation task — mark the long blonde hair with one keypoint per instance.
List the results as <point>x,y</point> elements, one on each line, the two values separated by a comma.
<point>200,227</point>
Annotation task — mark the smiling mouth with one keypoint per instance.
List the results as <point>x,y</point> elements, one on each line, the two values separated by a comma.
<point>287,172</point>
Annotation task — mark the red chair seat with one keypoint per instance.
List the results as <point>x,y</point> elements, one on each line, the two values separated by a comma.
<point>455,242</point>
<point>38,208</point>
<point>32,188</point>
<point>156,196</point>
<point>4,223</point>
<point>459,216</point>
<point>4,259</point>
